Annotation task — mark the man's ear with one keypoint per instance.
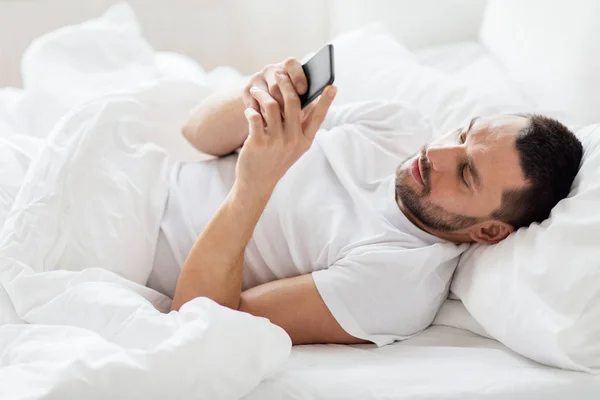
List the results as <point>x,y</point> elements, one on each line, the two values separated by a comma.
<point>490,232</point>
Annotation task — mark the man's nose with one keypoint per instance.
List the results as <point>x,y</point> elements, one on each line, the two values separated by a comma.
<point>442,158</point>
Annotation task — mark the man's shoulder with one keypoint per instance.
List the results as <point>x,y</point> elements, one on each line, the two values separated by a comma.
<point>381,115</point>
<point>404,247</point>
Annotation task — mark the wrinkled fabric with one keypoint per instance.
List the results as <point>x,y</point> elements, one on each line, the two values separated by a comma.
<point>80,222</point>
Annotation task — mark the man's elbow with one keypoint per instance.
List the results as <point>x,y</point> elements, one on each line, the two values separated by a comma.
<point>175,305</point>
<point>189,131</point>
<point>192,133</point>
<point>243,305</point>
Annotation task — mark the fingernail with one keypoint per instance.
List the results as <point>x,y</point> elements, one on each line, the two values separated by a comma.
<point>254,89</point>
<point>332,92</point>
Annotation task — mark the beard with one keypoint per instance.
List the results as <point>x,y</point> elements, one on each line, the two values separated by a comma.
<point>418,204</point>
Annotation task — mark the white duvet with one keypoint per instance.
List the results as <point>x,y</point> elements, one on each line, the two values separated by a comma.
<point>81,196</point>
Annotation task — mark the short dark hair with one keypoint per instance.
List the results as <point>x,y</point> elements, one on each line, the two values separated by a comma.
<point>549,155</point>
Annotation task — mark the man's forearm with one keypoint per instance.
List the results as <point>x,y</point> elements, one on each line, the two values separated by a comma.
<point>213,268</point>
<point>217,125</point>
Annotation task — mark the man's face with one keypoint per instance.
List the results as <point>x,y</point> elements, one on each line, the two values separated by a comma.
<point>458,180</point>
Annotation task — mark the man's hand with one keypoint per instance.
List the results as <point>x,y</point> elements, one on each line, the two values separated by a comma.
<point>217,125</point>
<point>266,79</point>
<point>278,135</point>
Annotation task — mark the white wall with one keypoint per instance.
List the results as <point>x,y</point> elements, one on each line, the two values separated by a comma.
<point>245,34</point>
<point>416,23</point>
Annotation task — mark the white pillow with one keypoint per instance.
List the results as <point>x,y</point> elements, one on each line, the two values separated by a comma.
<point>370,64</point>
<point>472,64</point>
<point>551,47</point>
<point>538,291</point>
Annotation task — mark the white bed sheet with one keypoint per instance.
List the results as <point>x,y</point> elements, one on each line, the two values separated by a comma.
<point>444,362</point>
<point>82,178</point>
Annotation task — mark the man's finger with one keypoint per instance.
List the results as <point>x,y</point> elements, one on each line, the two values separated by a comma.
<point>306,111</point>
<point>256,81</point>
<point>269,109</point>
<point>291,101</point>
<point>248,100</point>
<point>316,118</point>
<point>255,122</point>
<point>273,89</point>
<point>296,74</point>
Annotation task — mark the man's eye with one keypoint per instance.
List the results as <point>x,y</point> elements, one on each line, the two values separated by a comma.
<point>464,175</point>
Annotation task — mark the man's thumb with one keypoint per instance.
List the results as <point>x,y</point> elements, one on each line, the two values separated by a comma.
<point>317,116</point>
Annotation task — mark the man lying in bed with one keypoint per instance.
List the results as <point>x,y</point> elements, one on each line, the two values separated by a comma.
<point>340,238</point>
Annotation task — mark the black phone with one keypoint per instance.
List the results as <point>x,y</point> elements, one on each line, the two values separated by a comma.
<point>319,74</point>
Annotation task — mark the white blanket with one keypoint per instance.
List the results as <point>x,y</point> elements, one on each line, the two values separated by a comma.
<point>77,242</point>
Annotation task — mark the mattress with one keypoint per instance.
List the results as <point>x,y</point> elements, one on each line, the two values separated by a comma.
<point>441,363</point>
<point>444,362</point>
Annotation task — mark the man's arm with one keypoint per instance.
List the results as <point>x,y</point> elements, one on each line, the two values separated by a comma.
<point>218,126</point>
<point>214,266</point>
<point>295,305</point>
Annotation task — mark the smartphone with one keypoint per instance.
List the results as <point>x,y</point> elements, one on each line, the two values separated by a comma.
<point>319,74</point>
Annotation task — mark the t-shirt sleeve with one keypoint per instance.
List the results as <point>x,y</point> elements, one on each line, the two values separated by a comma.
<point>376,298</point>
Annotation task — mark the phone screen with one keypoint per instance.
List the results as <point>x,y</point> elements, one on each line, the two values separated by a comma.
<point>319,73</point>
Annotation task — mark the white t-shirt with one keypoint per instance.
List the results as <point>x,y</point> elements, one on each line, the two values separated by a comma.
<point>334,215</point>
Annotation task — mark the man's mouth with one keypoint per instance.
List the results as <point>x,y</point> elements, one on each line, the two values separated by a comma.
<point>415,170</point>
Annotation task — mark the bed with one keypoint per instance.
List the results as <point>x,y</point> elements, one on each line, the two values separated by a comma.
<point>441,363</point>
<point>453,359</point>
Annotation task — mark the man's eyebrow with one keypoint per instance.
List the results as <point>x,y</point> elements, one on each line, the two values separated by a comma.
<point>470,163</point>
<point>471,124</point>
